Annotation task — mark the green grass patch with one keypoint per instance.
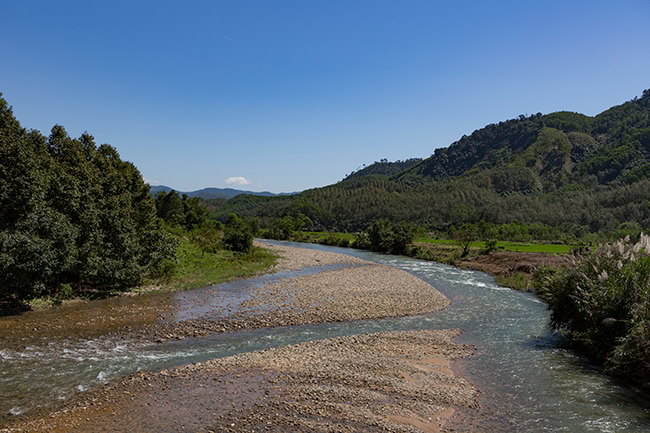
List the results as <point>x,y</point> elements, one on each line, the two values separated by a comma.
<point>324,235</point>
<point>517,280</point>
<point>196,268</point>
<point>521,247</point>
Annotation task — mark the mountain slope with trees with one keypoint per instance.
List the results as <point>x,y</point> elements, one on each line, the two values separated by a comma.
<point>585,175</point>
<point>385,168</point>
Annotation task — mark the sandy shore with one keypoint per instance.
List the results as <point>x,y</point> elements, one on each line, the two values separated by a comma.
<point>385,382</point>
<point>292,258</point>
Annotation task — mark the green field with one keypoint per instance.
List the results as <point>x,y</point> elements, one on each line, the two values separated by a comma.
<point>521,247</point>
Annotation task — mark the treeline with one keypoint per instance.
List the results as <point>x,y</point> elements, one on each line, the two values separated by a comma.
<point>188,217</point>
<point>380,236</point>
<point>598,214</point>
<point>385,168</point>
<point>73,215</point>
<point>77,220</point>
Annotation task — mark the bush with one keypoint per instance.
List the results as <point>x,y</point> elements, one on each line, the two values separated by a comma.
<point>237,235</point>
<point>387,237</point>
<point>207,237</point>
<point>490,245</point>
<point>603,303</point>
<point>464,236</point>
<point>361,241</point>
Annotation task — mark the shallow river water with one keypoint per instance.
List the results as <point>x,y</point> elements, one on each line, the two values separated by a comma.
<point>530,382</point>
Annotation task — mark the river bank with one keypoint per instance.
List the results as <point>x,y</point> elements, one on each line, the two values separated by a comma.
<point>354,289</point>
<point>360,290</point>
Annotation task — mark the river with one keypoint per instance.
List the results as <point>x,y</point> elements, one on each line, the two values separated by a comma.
<point>530,381</point>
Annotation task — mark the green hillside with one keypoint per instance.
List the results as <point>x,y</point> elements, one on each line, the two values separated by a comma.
<point>577,173</point>
<point>385,168</point>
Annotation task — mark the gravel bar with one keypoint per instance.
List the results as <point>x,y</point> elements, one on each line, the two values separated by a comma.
<point>385,382</point>
<point>364,290</point>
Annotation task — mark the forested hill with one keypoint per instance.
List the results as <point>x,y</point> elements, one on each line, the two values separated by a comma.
<point>385,168</point>
<point>545,152</point>
<point>580,173</point>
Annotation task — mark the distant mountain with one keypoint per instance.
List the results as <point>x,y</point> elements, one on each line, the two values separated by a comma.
<point>212,193</point>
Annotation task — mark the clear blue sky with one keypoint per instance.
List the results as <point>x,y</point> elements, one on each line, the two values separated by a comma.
<point>295,94</point>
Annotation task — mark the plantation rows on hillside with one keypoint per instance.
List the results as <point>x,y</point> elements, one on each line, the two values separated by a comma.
<point>584,176</point>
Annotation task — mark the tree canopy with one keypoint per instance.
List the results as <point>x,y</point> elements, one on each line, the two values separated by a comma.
<point>71,213</point>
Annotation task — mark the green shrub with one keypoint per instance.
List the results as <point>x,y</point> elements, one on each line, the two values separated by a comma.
<point>603,303</point>
<point>207,237</point>
<point>384,236</point>
<point>515,280</point>
<point>237,235</point>
<point>361,241</point>
<point>490,245</point>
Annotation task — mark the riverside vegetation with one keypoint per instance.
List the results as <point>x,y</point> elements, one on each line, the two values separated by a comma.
<point>78,221</point>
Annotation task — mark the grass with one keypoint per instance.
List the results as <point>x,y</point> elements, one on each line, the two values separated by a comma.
<point>198,269</point>
<point>520,247</point>
<point>517,280</point>
<point>324,235</point>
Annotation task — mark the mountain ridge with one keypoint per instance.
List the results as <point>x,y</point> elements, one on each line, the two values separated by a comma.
<point>213,192</point>
<point>586,174</point>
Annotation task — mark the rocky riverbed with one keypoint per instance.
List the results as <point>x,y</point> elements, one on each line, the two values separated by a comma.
<point>394,381</point>
<point>364,291</point>
<point>385,382</point>
<point>291,258</point>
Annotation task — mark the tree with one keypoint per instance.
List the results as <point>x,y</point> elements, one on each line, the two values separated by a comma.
<point>385,236</point>
<point>172,209</point>
<point>464,236</point>
<point>237,234</point>
<point>71,215</point>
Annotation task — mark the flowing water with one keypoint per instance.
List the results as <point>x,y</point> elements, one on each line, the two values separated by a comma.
<point>530,382</point>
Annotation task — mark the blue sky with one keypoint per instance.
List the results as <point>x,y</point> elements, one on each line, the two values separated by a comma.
<point>295,94</point>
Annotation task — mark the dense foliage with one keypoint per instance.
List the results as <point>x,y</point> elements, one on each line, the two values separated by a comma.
<point>603,302</point>
<point>189,212</point>
<point>559,176</point>
<point>384,236</point>
<point>238,234</point>
<point>385,168</point>
<point>73,215</point>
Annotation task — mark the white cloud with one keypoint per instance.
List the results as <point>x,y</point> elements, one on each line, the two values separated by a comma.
<point>152,181</point>
<point>237,180</point>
